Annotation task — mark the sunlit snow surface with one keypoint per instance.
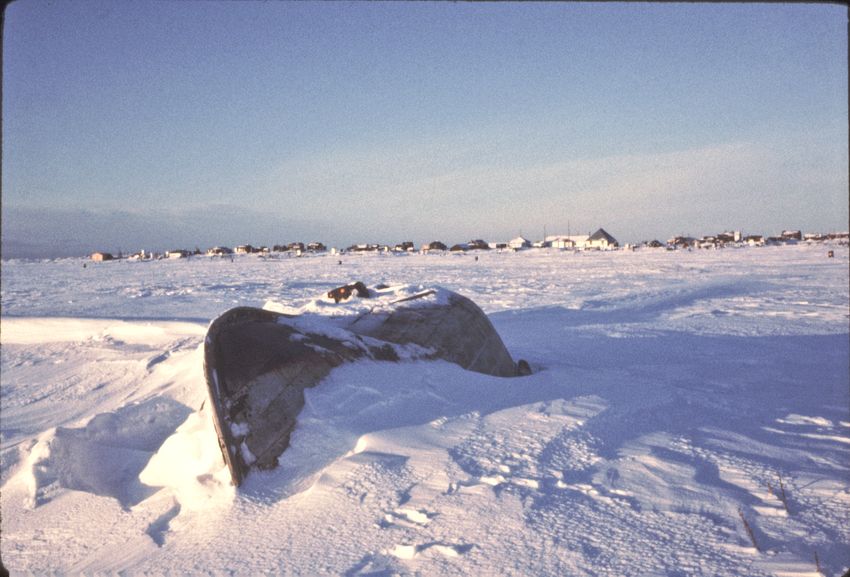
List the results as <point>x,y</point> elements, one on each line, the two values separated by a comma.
<point>675,396</point>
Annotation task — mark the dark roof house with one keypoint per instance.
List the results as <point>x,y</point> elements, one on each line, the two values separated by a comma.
<point>101,256</point>
<point>601,239</point>
<point>435,245</point>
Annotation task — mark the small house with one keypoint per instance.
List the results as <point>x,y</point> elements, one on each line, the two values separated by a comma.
<point>478,244</point>
<point>434,245</point>
<point>682,242</point>
<point>364,247</point>
<point>567,242</point>
<point>142,255</point>
<point>728,238</point>
<point>602,240</point>
<point>101,256</point>
<point>519,243</point>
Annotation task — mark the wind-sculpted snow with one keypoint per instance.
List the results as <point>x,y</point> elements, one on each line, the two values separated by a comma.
<point>687,414</point>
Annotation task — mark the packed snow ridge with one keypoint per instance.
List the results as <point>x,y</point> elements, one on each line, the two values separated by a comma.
<point>687,414</point>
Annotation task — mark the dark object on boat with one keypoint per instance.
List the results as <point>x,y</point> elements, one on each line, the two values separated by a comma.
<point>523,368</point>
<point>344,292</point>
<point>257,362</point>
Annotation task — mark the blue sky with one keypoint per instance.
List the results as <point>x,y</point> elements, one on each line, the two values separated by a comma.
<point>178,124</point>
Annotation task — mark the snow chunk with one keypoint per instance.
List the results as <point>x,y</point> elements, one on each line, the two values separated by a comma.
<point>189,463</point>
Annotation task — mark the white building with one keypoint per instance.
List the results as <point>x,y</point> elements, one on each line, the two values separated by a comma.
<point>602,240</point>
<point>565,242</point>
<point>598,240</point>
<point>519,242</point>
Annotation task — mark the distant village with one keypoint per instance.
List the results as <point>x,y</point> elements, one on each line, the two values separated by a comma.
<point>600,240</point>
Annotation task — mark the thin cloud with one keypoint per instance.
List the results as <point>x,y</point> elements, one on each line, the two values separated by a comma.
<point>735,184</point>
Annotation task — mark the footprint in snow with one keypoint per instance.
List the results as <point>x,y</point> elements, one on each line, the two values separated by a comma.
<point>410,552</point>
<point>408,517</point>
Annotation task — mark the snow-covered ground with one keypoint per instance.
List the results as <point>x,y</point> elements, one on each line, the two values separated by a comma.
<point>688,414</point>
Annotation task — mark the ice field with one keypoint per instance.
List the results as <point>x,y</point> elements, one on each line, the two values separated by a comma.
<point>688,414</point>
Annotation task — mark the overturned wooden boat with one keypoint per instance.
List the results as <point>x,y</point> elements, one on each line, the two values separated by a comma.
<point>258,362</point>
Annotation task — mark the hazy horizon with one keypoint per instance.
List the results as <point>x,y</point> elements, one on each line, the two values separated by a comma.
<point>72,250</point>
<point>158,125</point>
